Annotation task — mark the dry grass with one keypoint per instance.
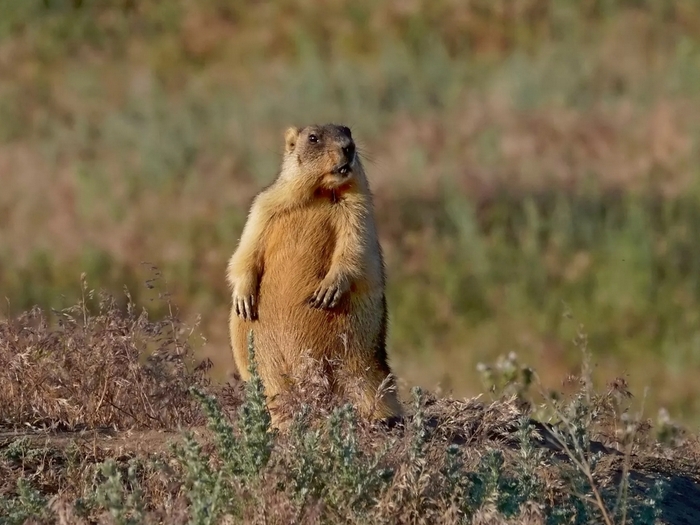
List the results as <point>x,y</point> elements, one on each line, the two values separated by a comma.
<point>449,461</point>
<point>97,366</point>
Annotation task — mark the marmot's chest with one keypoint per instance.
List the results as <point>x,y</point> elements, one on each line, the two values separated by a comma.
<point>301,242</point>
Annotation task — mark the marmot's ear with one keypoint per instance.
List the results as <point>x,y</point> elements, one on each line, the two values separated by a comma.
<point>290,139</point>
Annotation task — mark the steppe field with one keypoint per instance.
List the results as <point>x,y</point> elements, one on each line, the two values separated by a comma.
<point>535,166</point>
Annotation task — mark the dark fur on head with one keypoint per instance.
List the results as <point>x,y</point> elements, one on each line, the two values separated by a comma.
<point>327,150</point>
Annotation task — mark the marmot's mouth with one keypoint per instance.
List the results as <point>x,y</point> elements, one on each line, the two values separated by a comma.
<point>343,170</point>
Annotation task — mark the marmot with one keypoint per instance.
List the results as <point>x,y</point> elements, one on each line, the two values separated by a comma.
<point>308,275</point>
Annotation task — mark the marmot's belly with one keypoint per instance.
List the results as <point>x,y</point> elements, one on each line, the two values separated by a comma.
<point>295,264</point>
<point>286,320</point>
<point>297,257</point>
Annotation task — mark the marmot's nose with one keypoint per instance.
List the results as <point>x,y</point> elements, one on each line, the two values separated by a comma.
<point>349,151</point>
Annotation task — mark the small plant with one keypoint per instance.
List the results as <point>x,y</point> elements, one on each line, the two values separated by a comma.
<point>667,431</point>
<point>651,510</point>
<point>456,479</point>
<point>254,418</point>
<point>125,506</point>
<point>20,450</point>
<point>243,454</point>
<point>507,376</point>
<point>530,486</point>
<point>205,487</point>
<point>418,427</point>
<point>28,503</point>
<point>486,481</point>
<point>351,472</point>
<point>247,454</point>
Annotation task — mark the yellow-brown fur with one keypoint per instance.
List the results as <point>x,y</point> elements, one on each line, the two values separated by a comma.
<point>308,274</point>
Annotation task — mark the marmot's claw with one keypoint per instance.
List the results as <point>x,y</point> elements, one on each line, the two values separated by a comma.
<point>331,298</point>
<point>327,296</point>
<point>245,307</point>
<point>253,310</point>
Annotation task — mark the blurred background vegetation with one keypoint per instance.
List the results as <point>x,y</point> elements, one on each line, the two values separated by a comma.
<point>530,159</point>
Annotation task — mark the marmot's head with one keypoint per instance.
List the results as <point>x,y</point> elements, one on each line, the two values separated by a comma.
<point>325,153</point>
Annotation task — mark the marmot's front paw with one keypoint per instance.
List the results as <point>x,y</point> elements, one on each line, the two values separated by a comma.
<point>329,293</point>
<point>244,300</point>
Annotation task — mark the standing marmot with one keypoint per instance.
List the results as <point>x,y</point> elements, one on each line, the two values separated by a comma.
<point>308,274</point>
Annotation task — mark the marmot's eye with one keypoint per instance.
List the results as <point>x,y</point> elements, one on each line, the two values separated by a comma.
<point>313,139</point>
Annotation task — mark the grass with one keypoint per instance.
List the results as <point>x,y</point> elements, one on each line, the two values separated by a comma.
<point>132,371</point>
<point>211,457</point>
<point>528,159</point>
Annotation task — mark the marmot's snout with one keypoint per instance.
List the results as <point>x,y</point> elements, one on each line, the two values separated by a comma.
<point>348,150</point>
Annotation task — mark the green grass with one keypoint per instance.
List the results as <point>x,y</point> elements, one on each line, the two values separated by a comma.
<point>526,163</point>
